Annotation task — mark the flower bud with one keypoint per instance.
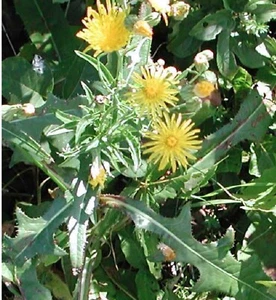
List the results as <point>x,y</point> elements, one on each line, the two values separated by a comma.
<point>179,10</point>
<point>203,89</point>
<point>143,28</point>
<point>28,109</point>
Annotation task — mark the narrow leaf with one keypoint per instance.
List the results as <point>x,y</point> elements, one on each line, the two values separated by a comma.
<point>250,123</point>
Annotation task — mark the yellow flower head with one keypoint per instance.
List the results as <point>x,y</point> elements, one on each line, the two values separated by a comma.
<point>156,88</point>
<point>172,142</point>
<point>97,175</point>
<point>204,89</point>
<point>105,30</point>
<point>161,6</point>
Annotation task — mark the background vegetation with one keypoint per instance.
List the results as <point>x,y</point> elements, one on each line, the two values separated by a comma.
<point>208,232</point>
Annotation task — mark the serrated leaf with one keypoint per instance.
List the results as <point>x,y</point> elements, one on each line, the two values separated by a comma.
<point>20,141</point>
<point>82,208</point>
<point>21,84</point>
<point>29,285</point>
<point>35,235</point>
<point>250,123</point>
<point>216,273</point>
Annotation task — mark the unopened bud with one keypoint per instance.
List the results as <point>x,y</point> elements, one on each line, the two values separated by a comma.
<point>179,10</point>
<point>28,109</point>
<point>143,28</point>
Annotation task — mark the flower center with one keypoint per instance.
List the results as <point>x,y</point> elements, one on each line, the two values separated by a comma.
<point>153,89</point>
<point>171,141</point>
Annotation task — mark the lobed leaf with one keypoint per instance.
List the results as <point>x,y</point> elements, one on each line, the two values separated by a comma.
<point>35,235</point>
<point>219,270</point>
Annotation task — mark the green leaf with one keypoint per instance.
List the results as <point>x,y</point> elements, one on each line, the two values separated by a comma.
<point>260,238</point>
<point>54,283</point>
<point>251,123</point>
<point>262,194</point>
<point>35,236</point>
<point>237,6</point>
<point>245,51</point>
<point>132,250</point>
<point>219,271</point>
<point>210,26</point>
<point>225,58</point>
<point>100,67</point>
<point>265,12</point>
<point>29,285</point>
<point>82,208</point>
<point>242,80</point>
<point>23,143</point>
<point>48,18</point>
<point>147,286</point>
<point>21,84</point>
<point>263,156</point>
<point>181,43</point>
<point>57,39</point>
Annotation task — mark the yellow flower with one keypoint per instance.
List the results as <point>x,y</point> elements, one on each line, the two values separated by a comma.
<point>204,89</point>
<point>105,30</point>
<point>161,6</point>
<point>97,175</point>
<point>172,142</point>
<point>156,88</point>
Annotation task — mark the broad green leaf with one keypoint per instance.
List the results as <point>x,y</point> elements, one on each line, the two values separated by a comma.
<point>48,19</point>
<point>79,71</point>
<point>260,238</point>
<point>262,194</point>
<point>21,84</point>
<point>30,287</point>
<point>263,156</point>
<point>54,283</point>
<point>225,58</point>
<point>147,286</point>
<point>244,49</point>
<point>237,6</point>
<point>219,270</point>
<point>35,236</point>
<point>210,26</point>
<point>132,249</point>
<point>251,123</point>
<point>181,43</point>
<point>242,81</point>
<point>265,12</point>
<point>233,162</point>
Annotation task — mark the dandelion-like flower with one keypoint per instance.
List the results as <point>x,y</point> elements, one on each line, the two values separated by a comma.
<point>204,89</point>
<point>105,30</point>
<point>172,142</point>
<point>156,88</point>
<point>161,6</point>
